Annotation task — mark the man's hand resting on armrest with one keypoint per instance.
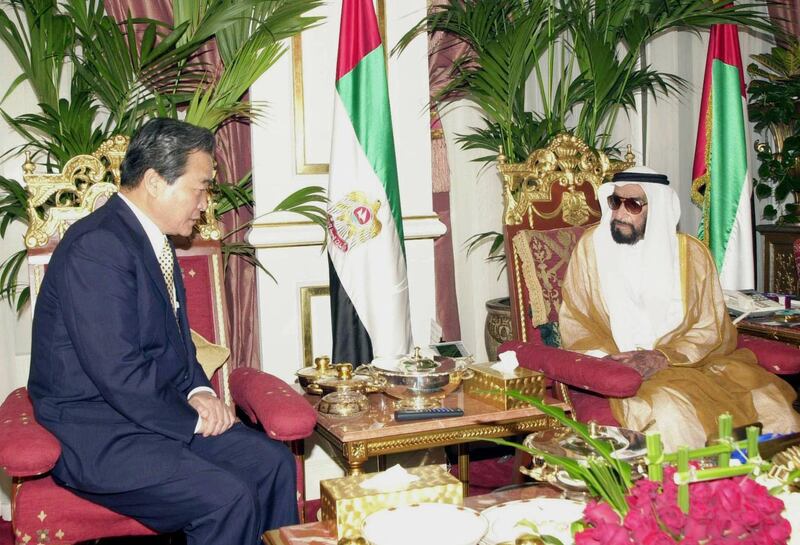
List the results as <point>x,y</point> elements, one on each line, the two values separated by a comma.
<point>215,416</point>
<point>646,362</point>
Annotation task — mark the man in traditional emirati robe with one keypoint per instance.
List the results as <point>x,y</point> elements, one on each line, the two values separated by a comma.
<point>640,293</point>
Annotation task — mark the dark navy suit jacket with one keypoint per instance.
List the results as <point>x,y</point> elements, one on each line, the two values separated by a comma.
<point>110,366</point>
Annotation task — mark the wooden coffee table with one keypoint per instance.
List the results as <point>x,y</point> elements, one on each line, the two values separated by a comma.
<point>786,334</point>
<point>324,532</point>
<point>377,433</point>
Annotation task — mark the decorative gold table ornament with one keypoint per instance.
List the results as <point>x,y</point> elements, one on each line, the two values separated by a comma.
<point>308,376</point>
<point>418,382</point>
<point>347,403</point>
<point>346,397</point>
<point>345,379</point>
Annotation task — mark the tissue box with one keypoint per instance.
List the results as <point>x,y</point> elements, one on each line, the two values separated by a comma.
<point>525,381</point>
<point>345,502</point>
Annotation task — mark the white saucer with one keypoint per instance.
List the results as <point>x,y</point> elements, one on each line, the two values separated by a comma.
<point>552,516</point>
<point>425,524</point>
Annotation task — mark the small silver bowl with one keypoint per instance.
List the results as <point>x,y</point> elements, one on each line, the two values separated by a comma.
<point>421,383</point>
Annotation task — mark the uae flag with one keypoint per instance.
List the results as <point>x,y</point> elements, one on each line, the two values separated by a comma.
<point>721,183</point>
<point>366,253</point>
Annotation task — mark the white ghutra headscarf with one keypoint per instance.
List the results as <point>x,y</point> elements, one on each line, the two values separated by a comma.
<point>641,283</point>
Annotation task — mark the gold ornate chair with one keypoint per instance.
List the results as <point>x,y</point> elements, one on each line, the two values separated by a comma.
<point>549,202</point>
<point>43,512</point>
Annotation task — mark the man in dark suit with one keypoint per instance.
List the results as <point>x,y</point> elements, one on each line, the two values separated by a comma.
<point>114,375</point>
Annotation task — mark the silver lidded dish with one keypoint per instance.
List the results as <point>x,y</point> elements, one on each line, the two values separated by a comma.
<point>418,382</point>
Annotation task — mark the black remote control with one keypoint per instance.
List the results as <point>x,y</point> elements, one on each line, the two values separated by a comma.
<point>422,414</point>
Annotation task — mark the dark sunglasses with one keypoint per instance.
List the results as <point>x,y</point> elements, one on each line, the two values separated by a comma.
<point>632,204</point>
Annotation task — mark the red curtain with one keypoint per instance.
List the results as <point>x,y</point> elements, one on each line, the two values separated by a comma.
<point>441,53</point>
<point>233,161</point>
<point>786,14</point>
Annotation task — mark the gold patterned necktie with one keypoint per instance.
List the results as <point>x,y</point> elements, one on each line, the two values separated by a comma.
<point>167,263</point>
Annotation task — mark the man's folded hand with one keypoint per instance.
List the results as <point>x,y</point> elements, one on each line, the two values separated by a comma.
<point>215,416</point>
<point>646,362</point>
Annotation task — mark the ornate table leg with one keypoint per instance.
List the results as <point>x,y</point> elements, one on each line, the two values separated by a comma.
<point>355,454</point>
<point>463,466</point>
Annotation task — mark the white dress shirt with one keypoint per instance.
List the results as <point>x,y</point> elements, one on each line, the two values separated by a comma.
<point>157,241</point>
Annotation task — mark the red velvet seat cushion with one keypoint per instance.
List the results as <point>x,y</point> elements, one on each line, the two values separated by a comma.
<point>26,448</point>
<point>270,401</point>
<point>776,357</point>
<point>47,513</point>
<point>592,407</point>
<point>602,376</point>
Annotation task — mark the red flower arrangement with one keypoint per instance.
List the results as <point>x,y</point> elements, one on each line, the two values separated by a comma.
<point>724,511</point>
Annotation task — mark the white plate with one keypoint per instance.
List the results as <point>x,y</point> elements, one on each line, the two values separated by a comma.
<point>425,524</point>
<point>551,515</point>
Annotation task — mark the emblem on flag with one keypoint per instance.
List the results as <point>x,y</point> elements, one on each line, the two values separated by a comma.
<point>353,220</point>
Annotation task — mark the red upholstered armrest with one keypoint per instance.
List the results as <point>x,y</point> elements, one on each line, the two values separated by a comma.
<point>266,399</point>
<point>596,375</point>
<point>26,448</point>
<point>776,357</point>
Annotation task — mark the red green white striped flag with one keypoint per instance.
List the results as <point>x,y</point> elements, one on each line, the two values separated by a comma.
<point>367,265</point>
<point>721,183</point>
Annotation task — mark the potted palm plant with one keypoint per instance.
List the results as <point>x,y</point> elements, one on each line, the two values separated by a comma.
<point>582,59</point>
<point>118,81</point>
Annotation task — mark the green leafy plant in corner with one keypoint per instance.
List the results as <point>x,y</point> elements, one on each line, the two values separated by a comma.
<point>773,106</point>
<point>120,75</point>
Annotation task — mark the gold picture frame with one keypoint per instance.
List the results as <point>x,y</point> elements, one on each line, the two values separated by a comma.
<point>306,294</point>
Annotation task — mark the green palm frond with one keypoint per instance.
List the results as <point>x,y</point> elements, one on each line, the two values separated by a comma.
<point>15,293</point>
<point>126,79</point>
<point>249,48</point>
<point>39,38</point>
<point>493,239</point>
<point>308,202</point>
<point>506,39</point>
<point>781,63</point>
<point>279,19</point>
<point>232,196</point>
<point>13,204</point>
<point>63,131</point>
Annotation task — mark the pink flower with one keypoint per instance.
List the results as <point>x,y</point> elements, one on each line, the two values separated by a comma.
<point>657,538</point>
<point>613,534</point>
<point>641,523</point>
<point>780,531</point>
<point>726,511</point>
<point>597,512</point>
<point>672,517</point>
<point>603,534</point>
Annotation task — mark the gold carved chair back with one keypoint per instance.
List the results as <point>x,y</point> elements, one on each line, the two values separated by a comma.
<point>57,200</point>
<point>549,199</point>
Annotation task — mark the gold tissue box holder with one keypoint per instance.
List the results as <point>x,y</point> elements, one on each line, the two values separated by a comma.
<point>348,504</point>
<point>490,385</point>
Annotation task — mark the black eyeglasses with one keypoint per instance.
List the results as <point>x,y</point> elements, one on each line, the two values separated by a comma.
<point>632,204</point>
